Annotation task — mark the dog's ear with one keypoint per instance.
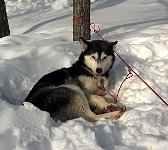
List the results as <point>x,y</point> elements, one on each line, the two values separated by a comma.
<point>83,43</point>
<point>114,43</point>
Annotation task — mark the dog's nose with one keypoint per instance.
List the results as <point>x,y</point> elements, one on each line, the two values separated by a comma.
<point>99,70</point>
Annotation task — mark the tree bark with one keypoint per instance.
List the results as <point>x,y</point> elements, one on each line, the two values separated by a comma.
<point>4,26</point>
<point>81,19</point>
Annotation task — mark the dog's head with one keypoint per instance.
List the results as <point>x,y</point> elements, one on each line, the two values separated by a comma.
<point>97,55</point>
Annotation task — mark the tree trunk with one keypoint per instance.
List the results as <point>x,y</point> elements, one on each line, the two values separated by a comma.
<point>81,19</point>
<point>4,26</point>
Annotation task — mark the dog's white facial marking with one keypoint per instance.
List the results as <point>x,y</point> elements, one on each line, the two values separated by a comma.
<point>106,62</point>
<point>103,56</point>
<point>95,61</point>
<point>91,61</point>
<point>95,56</point>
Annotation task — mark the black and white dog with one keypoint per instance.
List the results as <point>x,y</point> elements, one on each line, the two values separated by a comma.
<point>74,92</point>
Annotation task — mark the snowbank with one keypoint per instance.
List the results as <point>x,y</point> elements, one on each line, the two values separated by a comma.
<point>24,6</point>
<point>61,4</point>
<point>29,6</point>
<point>42,42</point>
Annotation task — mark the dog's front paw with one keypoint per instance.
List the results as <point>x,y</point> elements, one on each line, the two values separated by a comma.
<point>114,107</point>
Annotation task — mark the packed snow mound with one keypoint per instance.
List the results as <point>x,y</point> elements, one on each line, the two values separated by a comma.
<point>24,6</point>
<point>60,4</point>
<point>28,6</point>
<point>14,126</point>
<point>144,124</point>
<point>41,42</point>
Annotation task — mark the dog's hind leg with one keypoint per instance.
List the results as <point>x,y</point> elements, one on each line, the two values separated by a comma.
<point>101,105</point>
<point>76,105</point>
<point>87,114</point>
<point>80,107</point>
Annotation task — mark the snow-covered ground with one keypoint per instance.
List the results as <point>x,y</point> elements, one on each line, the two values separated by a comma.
<point>41,41</point>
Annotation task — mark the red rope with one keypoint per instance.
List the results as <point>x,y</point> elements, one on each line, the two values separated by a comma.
<point>129,75</point>
<point>84,20</point>
<point>131,70</point>
<point>102,88</point>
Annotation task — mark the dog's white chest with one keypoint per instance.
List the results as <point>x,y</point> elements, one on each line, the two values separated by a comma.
<point>91,85</point>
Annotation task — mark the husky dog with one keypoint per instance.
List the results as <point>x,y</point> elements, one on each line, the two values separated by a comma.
<point>74,92</point>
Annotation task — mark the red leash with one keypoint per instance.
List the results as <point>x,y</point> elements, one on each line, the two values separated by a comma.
<point>102,88</point>
<point>131,70</point>
<point>83,20</point>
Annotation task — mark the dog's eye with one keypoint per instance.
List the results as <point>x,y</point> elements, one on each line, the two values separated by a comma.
<point>104,57</point>
<point>93,57</point>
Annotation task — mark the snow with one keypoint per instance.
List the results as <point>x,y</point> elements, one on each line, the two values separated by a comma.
<point>41,41</point>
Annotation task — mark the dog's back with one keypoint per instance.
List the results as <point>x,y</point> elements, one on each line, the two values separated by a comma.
<point>52,79</point>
